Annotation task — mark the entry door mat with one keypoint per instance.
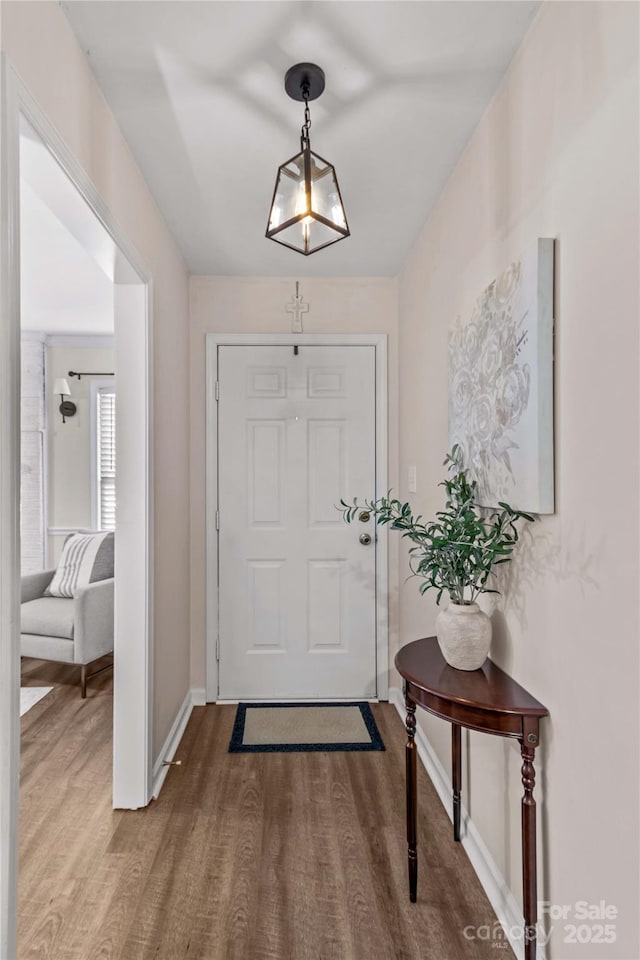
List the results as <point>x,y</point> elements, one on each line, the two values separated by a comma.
<point>304,728</point>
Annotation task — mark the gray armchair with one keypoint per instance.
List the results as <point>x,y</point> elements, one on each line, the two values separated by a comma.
<point>78,630</point>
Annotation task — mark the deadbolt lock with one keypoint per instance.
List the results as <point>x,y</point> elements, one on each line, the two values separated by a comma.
<point>365,516</point>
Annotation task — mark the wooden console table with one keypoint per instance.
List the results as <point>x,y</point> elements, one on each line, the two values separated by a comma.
<point>487,700</point>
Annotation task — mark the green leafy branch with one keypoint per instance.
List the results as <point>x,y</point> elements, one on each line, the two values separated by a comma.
<point>458,550</point>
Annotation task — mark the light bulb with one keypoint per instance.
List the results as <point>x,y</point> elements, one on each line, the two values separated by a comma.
<point>301,200</point>
<point>301,207</point>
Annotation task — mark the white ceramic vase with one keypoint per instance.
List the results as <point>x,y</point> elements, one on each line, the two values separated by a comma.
<point>464,635</point>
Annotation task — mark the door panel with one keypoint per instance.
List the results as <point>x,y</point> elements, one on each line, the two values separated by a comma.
<point>297,604</point>
<point>326,470</point>
<point>265,472</point>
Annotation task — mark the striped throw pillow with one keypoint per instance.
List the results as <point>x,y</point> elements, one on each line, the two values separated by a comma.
<point>85,558</point>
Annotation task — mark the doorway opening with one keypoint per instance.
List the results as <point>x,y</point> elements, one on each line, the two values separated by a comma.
<point>97,281</point>
<point>65,193</point>
<point>67,325</point>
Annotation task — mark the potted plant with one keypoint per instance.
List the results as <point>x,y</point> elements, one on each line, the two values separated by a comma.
<point>456,554</point>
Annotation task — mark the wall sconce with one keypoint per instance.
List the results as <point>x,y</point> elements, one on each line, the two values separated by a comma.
<point>67,407</point>
<point>306,213</point>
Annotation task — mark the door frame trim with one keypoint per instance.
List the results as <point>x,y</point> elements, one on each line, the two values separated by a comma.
<point>215,340</point>
<point>133,700</point>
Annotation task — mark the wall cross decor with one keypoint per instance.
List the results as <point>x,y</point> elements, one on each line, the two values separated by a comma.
<point>296,308</point>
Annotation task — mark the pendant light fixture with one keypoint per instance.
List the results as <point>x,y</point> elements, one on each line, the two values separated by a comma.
<point>306,211</point>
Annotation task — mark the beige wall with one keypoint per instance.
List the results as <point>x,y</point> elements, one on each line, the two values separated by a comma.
<point>39,42</point>
<point>257,305</point>
<point>556,155</point>
<point>68,450</point>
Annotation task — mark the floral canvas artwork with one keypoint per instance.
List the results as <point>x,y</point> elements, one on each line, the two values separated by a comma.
<point>501,385</point>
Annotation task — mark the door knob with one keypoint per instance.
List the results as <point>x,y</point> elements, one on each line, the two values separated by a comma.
<point>365,539</point>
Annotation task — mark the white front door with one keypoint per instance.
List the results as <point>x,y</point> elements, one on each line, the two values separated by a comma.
<point>297,598</point>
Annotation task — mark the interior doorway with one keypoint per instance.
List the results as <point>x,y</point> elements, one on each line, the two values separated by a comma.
<point>129,296</point>
<point>99,234</point>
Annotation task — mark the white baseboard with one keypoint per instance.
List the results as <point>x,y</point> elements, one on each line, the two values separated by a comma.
<point>194,698</point>
<point>500,897</point>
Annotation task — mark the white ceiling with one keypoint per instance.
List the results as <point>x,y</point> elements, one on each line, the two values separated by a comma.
<point>66,255</point>
<point>197,88</point>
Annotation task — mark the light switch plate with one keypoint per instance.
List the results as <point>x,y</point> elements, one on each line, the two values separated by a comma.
<point>413,479</point>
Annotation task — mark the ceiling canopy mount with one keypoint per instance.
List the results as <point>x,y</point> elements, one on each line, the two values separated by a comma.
<point>304,81</point>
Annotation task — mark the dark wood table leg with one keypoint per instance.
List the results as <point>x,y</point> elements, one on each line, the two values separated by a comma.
<point>412,799</point>
<point>529,878</point>
<point>456,776</point>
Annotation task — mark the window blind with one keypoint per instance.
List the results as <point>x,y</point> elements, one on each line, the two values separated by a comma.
<point>106,430</point>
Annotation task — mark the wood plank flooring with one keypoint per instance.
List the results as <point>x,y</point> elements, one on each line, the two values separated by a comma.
<point>243,856</point>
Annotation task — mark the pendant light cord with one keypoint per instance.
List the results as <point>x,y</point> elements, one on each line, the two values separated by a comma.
<point>304,133</point>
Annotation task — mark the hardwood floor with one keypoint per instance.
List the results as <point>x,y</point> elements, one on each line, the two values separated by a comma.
<point>255,856</point>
